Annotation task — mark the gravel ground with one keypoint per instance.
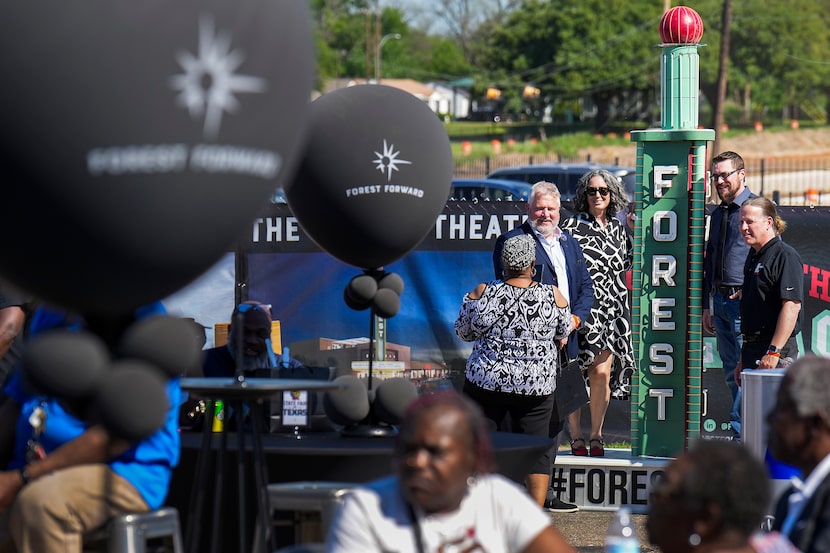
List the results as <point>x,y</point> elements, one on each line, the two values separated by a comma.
<point>586,530</point>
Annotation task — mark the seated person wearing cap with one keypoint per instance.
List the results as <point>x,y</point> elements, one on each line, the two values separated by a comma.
<point>254,336</point>
<point>250,329</point>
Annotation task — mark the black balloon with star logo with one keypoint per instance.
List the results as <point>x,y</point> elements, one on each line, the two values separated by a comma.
<point>141,138</point>
<point>375,174</point>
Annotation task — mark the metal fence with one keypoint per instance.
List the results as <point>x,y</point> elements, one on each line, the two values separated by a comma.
<point>803,180</point>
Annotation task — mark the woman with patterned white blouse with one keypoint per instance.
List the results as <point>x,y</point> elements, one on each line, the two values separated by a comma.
<point>605,350</point>
<point>515,324</point>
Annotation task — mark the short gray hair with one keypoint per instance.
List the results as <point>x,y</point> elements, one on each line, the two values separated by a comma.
<point>518,252</point>
<point>810,385</point>
<point>543,188</point>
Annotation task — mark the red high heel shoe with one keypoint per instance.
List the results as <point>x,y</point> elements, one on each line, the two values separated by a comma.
<point>597,447</point>
<point>578,447</point>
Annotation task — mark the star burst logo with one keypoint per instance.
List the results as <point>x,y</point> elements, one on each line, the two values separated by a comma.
<point>208,84</point>
<point>387,161</point>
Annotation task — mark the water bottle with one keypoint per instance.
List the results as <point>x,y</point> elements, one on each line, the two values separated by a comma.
<point>622,536</point>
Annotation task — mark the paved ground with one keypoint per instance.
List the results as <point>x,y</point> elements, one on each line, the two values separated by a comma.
<point>586,530</point>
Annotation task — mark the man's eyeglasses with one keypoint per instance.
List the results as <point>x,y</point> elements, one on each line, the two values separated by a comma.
<point>594,191</point>
<point>724,176</point>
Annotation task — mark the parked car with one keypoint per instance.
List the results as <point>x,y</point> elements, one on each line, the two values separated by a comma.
<point>564,175</point>
<point>489,190</point>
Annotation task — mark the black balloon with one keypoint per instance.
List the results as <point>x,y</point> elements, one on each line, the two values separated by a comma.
<point>170,343</point>
<point>140,139</point>
<point>132,399</point>
<point>360,291</point>
<point>375,174</point>
<point>65,364</point>
<point>392,281</point>
<point>392,397</point>
<point>352,304</point>
<point>386,303</point>
<point>347,405</point>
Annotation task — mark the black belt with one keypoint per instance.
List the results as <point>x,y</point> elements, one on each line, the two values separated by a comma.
<point>724,290</point>
<point>752,338</point>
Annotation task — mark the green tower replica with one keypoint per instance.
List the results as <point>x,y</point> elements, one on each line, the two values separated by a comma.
<point>668,251</point>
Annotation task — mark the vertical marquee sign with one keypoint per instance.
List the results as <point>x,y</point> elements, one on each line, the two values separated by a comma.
<point>668,251</point>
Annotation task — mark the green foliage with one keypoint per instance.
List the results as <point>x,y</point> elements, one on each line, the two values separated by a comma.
<point>586,54</point>
<point>565,144</point>
<point>573,49</point>
<point>780,50</point>
<point>346,29</point>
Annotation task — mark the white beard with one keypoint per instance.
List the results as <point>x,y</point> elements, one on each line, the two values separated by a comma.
<point>250,364</point>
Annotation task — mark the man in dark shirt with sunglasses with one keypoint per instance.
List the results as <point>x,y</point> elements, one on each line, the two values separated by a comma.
<point>249,344</point>
<point>723,269</point>
<point>249,338</point>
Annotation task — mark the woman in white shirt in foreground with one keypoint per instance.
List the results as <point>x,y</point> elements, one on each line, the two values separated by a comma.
<point>444,497</point>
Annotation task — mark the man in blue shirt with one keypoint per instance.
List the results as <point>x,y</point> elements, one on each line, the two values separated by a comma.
<point>723,269</point>
<point>67,475</point>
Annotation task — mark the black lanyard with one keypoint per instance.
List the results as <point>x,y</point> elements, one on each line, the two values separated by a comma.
<point>416,529</point>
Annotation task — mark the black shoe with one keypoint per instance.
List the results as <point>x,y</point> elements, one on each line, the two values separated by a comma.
<point>555,505</point>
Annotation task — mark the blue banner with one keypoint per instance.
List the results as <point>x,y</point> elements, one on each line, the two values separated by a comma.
<point>305,285</point>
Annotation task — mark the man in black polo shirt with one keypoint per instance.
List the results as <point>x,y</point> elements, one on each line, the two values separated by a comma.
<point>773,289</point>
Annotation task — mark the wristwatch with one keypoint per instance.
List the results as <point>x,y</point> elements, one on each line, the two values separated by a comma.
<point>772,349</point>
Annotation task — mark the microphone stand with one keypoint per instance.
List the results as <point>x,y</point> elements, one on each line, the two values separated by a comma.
<point>239,359</point>
<point>372,328</point>
<point>369,427</point>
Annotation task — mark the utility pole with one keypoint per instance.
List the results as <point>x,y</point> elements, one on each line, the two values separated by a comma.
<point>368,43</point>
<point>720,99</point>
<point>377,32</point>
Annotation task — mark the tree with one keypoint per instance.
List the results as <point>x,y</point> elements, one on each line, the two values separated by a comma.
<point>346,34</point>
<point>463,17</point>
<point>573,49</point>
<point>722,71</point>
<point>780,49</point>
<point>340,37</point>
<point>599,52</point>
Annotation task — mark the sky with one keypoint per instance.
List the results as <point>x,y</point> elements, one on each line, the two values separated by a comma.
<point>420,14</point>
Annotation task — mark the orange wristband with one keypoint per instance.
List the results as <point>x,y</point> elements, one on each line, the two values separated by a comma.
<point>774,354</point>
<point>576,321</point>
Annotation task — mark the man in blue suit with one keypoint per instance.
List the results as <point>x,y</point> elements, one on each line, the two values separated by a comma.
<point>559,261</point>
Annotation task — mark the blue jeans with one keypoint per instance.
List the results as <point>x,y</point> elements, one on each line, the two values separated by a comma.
<point>726,318</point>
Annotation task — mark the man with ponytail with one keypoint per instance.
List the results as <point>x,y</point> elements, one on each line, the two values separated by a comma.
<point>773,289</point>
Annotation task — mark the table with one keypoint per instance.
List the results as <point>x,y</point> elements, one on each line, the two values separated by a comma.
<point>328,456</point>
<point>235,392</point>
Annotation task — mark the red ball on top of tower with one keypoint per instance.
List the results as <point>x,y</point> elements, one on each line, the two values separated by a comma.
<point>681,25</point>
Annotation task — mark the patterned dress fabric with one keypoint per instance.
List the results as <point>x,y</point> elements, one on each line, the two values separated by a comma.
<point>608,254</point>
<point>514,331</point>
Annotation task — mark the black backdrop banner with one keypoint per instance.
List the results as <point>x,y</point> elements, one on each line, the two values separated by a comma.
<point>305,285</point>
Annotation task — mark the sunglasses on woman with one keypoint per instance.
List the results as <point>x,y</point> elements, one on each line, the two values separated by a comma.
<point>594,191</point>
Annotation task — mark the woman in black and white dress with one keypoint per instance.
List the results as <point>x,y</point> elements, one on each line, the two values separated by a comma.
<point>605,349</point>
<point>515,324</point>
